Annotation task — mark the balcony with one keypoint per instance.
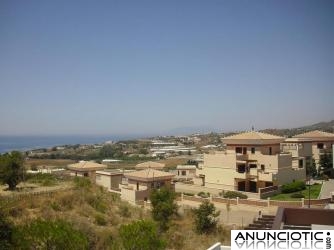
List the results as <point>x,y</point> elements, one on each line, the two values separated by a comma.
<point>253,171</point>
<point>240,175</point>
<point>242,157</point>
<point>267,177</point>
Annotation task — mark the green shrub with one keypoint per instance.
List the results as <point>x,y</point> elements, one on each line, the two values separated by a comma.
<point>55,206</point>
<point>47,234</point>
<point>293,187</point>
<point>97,202</point>
<point>42,179</point>
<point>124,210</point>
<point>81,182</point>
<point>206,217</point>
<point>188,194</point>
<point>100,220</point>
<point>234,194</point>
<point>297,195</point>
<point>142,235</point>
<point>203,194</point>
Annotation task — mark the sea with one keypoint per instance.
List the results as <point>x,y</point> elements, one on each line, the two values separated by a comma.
<point>25,143</point>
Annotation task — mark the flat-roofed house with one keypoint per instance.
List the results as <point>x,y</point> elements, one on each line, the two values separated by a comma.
<point>322,142</point>
<point>150,164</point>
<point>251,160</point>
<point>185,172</point>
<point>109,178</point>
<point>140,184</point>
<point>85,169</point>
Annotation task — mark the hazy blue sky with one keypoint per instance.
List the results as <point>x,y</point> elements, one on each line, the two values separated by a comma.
<point>118,67</point>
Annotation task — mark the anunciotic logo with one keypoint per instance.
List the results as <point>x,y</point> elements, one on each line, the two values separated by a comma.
<point>281,239</point>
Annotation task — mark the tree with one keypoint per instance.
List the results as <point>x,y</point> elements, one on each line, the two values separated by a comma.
<point>325,164</point>
<point>47,234</point>
<point>11,169</point>
<point>206,217</point>
<point>163,206</point>
<point>142,235</point>
<point>311,168</point>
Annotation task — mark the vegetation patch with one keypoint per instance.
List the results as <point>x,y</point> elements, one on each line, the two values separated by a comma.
<point>234,195</point>
<point>314,194</point>
<point>100,220</point>
<point>206,218</point>
<point>203,194</point>
<point>293,187</point>
<point>297,195</point>
<point>189,194</point>
<point>42,179</point>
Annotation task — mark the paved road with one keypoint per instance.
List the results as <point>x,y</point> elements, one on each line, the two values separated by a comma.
<point>240,215</point>
<point>327,188</point>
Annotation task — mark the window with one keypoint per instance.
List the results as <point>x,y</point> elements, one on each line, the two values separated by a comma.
<point>270,151</point>
<point>252,166</point>
<point>184,172</point>
<point>238,150</point>
<point>320,145</point>
<point>263,167</point>
<point>253,150</point>
<point>300,163</point>
<point>244,151</point>
<point>241,169</point>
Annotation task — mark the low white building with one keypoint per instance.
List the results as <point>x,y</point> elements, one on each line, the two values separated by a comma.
<point>185,172</point>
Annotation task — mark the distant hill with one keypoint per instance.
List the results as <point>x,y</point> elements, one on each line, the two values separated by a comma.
<point>323,126</point>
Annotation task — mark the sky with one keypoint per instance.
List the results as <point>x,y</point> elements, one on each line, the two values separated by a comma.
<point>158,67</point>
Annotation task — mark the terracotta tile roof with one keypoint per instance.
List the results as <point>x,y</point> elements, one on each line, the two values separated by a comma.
<point>86,165</point>
<point>149,175</point>
<point>316,135</point>
<point>253,138</point>
<point>150,164</point>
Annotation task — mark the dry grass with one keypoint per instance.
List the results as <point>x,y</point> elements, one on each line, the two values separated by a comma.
<point>99,214</point>
<point>174,161</point>
<point>181,235</point>
<point>47,162</point>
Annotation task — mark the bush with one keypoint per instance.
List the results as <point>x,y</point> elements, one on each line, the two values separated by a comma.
<point>47,234</point>
<point>100,220</point>
<point>234,194</point>
<point>293,187</point>
<point>163,206</point>
<point>42,179</point>
<point>97,202</point>
<point>204,195</point>
<point>124,210</point>
<point>297,195</point>
<point>189,194</point>
<point>205,217</point>
<point>82,182</point>
<point>6,230</point>
<point>141,235</point>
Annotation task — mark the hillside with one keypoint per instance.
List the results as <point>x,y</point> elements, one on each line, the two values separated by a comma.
<point>95,215</point>
<point>323,126</point>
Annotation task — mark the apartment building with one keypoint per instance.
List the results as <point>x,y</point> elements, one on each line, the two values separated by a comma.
<point>252,160</point>
<point>300,149</point>
<point>322,142</point>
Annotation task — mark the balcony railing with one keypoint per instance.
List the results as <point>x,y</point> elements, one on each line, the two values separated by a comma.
<point>266,177</point>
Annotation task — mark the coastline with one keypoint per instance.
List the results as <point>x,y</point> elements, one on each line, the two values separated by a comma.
<point>27,142</point>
